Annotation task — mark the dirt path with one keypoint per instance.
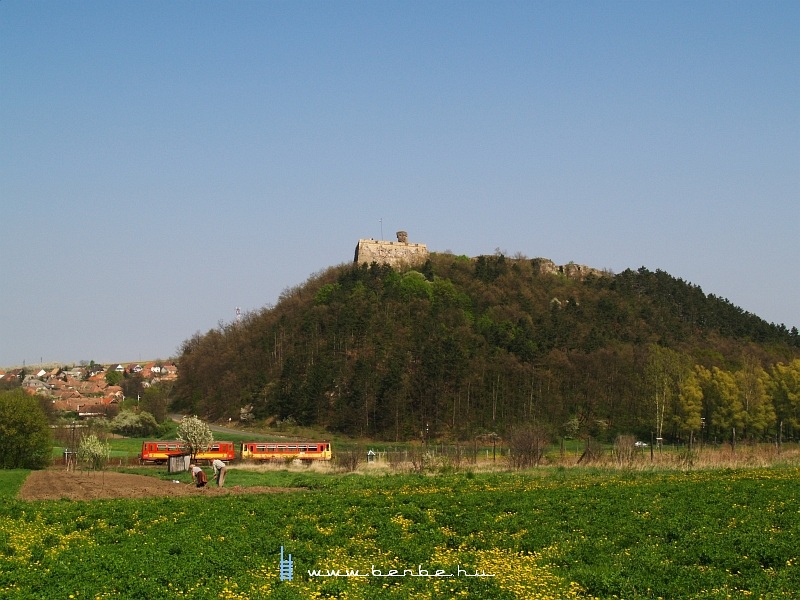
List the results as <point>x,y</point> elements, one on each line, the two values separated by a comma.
<point>79,485</point>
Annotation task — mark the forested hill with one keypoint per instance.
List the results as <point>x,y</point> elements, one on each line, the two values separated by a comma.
<point>468,346</point>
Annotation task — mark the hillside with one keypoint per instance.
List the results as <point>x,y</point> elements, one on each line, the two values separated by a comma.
<point>466,346</point>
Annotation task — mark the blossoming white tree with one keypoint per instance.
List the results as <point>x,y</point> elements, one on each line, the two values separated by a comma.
<point>94,452</point>
<point>196,434</point>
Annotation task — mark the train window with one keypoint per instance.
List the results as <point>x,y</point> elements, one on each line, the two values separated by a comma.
<point>162,446</point>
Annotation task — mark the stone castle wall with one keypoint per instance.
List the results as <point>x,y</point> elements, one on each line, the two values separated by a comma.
<point>395,254</point>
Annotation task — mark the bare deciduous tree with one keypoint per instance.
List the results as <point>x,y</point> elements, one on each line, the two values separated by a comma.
<point>349,460</point>
<point>624,449</point>
<point>526,445</point>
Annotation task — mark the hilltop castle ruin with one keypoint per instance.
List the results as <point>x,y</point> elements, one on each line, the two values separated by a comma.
<point>394,254</point>
<point>404,254</point>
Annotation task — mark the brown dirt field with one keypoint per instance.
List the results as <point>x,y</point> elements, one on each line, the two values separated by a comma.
<point>81,485</point>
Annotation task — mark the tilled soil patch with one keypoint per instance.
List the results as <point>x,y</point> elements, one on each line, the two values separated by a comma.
<point>81,485</point>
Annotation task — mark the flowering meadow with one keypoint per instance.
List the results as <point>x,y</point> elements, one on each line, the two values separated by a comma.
<point>546,533</point>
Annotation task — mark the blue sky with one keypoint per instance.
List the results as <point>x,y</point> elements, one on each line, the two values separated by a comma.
<point>162,163</point>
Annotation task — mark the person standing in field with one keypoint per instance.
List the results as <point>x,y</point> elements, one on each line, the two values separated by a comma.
<point>198,475</point>
<point>220,470</point>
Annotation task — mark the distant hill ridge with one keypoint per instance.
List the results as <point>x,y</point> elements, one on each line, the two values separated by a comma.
<point>458,346</point>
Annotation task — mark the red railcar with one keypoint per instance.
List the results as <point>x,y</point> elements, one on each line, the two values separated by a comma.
<point>159,451</point>
<point>306,451</point>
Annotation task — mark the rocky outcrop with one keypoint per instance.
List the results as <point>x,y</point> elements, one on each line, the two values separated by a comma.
<point>571,270</point>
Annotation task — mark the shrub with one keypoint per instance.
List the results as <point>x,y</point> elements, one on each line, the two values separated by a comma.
<point>133,424</point>
<point>348,460</point>
<point>25,441</point>
<point>593,451</point>
<point>526,444</point>
<point>624,448</point>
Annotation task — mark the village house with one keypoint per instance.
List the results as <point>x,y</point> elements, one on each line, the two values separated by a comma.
<point>36,385</point>
<point>86,390</point>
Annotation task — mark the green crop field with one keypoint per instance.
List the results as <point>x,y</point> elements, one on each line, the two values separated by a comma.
<point>545,533</point>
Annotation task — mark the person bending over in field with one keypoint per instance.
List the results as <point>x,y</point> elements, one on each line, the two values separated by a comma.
<point>220,470</point>
<point>198,475</point>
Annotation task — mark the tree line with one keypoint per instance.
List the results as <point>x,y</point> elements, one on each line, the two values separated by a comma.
<point>461,347</point>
